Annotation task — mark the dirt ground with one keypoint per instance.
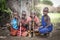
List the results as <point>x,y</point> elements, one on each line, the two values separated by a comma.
<point>4,35</point>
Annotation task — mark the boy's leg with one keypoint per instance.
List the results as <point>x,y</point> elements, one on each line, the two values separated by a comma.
<point>43,30</point>
<point>50,28</point>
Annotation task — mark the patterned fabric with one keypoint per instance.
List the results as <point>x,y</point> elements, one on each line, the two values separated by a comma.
<point>36,21</point>
<point>13,32</point>
<point>22,30</point>
<point>14,23</point>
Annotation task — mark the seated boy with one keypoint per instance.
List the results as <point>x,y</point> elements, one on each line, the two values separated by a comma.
<point>47,27</point>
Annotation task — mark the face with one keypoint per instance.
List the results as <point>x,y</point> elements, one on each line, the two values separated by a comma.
<point>32,15</point>
<point>15,15</point>
<point>45,11</point>
<point>23,14</point>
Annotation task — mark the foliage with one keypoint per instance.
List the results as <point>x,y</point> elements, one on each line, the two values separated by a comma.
<point>58,9</point>
<point>38,12</point>
<point>3,6</point>
<point>55,17</point>
<point>48,2</point>
<point>4,12</point>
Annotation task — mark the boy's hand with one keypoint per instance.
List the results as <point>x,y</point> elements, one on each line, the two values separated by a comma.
<point>48,25</point>
<point>8,24</point>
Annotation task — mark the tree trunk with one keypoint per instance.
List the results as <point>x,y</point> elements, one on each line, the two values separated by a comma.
<point>14,5</point>
<point>21,5</point>
<point>18,5</point>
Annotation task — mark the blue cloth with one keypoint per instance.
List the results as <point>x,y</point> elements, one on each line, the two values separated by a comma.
<point>44,29</point>
<point>14,23</point>
<point>43,22</point>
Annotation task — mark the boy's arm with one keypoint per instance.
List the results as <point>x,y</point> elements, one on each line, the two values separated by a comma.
<point>37,21</point>
<point>48,22</point>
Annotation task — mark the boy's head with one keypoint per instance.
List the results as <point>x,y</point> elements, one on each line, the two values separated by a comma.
<point>45,10</point>
<point>23,14</point>
<point>33,14</point>
<point>15,15</point>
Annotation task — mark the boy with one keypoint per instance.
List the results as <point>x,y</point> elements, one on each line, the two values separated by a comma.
<point>14,24</point>
<point>23,25</point>
<point>33,22</point>
<point>47,27</point>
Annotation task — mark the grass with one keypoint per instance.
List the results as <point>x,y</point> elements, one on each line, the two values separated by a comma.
<point>55,17</point>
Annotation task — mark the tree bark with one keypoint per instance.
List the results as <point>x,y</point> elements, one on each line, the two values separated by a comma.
<point>14,5</point>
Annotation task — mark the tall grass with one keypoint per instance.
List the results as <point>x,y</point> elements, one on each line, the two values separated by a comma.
<point>55,17</point>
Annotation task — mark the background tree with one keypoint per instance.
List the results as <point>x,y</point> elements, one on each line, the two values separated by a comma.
<point>4,12</point>
<point>14,5</point>
<point>58,9</point>
<point>48,2</point>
